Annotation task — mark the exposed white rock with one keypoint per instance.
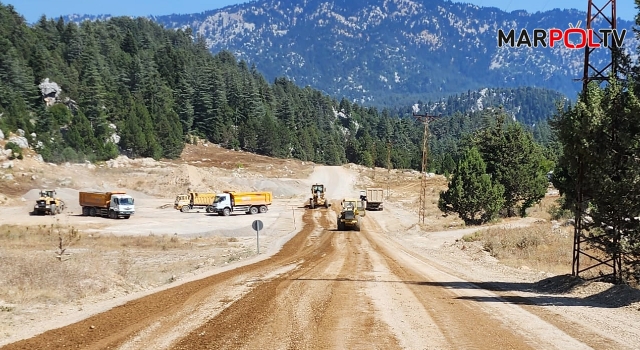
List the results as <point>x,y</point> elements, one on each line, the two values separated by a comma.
<point>21,141</point>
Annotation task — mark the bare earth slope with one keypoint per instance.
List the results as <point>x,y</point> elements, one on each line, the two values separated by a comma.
<point>374,289</point>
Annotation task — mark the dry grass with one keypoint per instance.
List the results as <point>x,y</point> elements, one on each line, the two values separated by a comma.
<point>403,187</point>
<point>538,247</point>
<point>35,269</point>
<point>216,156</point>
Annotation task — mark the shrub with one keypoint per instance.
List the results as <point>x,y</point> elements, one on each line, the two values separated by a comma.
<point>558,211</point>
<point>16,150</point>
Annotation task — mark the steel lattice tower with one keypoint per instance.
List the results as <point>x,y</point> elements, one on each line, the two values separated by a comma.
<point>604,17</point>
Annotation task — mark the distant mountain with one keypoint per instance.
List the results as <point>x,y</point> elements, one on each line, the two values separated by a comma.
<point>390,52</point>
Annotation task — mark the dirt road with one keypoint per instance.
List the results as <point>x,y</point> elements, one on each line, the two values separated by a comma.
<point>324,289</point>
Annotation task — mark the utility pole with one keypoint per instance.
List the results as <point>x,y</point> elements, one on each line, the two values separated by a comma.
<point>424,119</point>
<point>595,15</point>
<point>388,168</point>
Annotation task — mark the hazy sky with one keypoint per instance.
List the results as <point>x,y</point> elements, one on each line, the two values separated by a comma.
<point>33,9</point>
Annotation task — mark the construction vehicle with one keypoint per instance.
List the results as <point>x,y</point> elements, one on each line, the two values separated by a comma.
<point>194,200</point>
<point>48,203</point>
<point>374,197</point>
<point>107,204</point>
<point>247,202</point>
<point>349,218</point>
<point>318,199</point>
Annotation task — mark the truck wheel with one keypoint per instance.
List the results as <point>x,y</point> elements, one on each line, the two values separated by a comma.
<point>85,211</point>
<point>184,208</point>
<point>263,209</point>
<point>92,212</point>
<point>209,209</point>
<point>112,214</point>
<point>226,212</point>
<point>253,210</point>
<point>127,216</point>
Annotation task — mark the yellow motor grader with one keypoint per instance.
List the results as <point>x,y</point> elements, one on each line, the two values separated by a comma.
<point>48,203</point>
<point>318,198</point>
<point>349,218</point>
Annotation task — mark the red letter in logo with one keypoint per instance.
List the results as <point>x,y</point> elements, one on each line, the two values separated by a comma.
<point>583,41</point>
<point>592,43</point>
<point>554,35</point>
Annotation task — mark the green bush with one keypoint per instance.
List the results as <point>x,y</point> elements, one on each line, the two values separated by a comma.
<point>16,150</point>
<point>559,211</point>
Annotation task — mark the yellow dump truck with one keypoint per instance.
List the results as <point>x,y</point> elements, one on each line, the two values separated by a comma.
<point>247,202</point>
<point>107,204</point>
<point>195,200</point>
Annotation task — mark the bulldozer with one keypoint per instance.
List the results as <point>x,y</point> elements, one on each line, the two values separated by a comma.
<point>349,218</point>
<point>48,203</point>
<point>318,199</point>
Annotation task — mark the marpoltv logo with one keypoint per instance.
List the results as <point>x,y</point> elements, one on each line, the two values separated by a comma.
<point>573,37</point>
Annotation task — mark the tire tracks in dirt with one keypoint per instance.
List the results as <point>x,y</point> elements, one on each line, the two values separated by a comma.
<point>323,289</point>
<point>452,303</point>
<point>311,307</point>
<point>130,323</point>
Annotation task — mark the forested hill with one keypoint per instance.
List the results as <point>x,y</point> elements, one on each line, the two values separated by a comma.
<point>527,105</point>
<point>129,86</point>
<point>390,52</point>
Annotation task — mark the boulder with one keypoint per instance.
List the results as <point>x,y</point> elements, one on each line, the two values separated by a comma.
<point>21,141</point>
<point>49,88</point>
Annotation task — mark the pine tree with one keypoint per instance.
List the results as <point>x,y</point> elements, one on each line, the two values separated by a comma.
<point>515,161</point>
<point>471,193</point>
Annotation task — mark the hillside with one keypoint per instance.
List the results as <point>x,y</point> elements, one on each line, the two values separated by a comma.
<point>128,86</point>
<point>390,53</point>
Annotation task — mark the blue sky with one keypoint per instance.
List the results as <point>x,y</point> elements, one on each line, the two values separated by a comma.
<point>33,9</point>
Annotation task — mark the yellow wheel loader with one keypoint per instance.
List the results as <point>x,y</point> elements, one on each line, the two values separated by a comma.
<point>48,203</point>
<point>350,214</point>
<point>318,198</point>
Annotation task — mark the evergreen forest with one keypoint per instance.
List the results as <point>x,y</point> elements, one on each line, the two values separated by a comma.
<point>129,86</point>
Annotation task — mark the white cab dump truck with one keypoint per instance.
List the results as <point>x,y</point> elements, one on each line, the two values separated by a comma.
<point>374,198</point>
<point>107,204</point>
<point>247,202</point>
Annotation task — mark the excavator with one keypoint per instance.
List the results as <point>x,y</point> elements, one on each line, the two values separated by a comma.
<point>318,198</point>
<point>48,203</point>
<point>349,218</point>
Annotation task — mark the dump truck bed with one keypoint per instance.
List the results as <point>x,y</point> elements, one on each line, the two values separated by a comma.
<point>251,198</point>
<point>96,199</point>
<point>375,195</point>
<point>203,198</point>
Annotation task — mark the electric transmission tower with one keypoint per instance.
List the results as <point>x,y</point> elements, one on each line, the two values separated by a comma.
<point>605,17</point>
<point>424,119</point>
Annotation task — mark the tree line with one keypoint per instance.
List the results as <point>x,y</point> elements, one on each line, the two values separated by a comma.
<point>156,88</point>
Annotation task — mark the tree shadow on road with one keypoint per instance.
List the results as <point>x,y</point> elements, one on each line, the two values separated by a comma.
<point>551,291</point>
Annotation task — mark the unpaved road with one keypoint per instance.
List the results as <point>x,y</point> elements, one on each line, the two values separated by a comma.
<point>327,290</point>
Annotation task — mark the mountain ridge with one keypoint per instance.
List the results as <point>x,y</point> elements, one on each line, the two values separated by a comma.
<point>414,49</point>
